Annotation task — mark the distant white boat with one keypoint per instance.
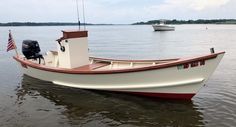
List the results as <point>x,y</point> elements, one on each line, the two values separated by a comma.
<point>162,27</point>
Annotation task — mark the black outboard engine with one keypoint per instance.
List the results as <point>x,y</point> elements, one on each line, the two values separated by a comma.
<point>31,49</point>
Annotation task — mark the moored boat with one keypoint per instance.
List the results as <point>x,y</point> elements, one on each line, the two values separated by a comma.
<point>71,66</point>
<point>162,26</point>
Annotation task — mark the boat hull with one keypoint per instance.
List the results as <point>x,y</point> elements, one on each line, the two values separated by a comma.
<point>163,28</point>
<point>174,81</point>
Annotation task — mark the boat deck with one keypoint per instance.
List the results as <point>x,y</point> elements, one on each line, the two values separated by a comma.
<point>91,67</point>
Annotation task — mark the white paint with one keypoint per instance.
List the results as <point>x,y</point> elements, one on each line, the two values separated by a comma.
<point>104,87</point>
<point>76,53</point>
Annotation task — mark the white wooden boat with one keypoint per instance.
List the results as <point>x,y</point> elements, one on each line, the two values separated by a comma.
<point>163,27</point>
<point>71,66</point>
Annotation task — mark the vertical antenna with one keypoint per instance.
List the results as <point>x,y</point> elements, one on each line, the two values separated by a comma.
<point>83,15</point>
<point>77,6</point>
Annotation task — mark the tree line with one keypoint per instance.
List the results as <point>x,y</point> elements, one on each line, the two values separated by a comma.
<point>174,21</point>
<point>42,24</point>
<point>199,21</point>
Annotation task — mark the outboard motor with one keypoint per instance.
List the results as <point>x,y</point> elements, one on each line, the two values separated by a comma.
<point>31,49</point>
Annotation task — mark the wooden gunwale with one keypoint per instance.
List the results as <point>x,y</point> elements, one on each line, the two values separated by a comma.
<point>128,70</point>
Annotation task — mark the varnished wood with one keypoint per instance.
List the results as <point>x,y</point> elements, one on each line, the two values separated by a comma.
<point>128,70</point>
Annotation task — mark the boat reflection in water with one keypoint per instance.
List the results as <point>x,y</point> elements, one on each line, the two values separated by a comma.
<point>96,108</point>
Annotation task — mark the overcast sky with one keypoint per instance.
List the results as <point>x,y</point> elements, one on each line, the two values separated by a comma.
<point>114,11</point>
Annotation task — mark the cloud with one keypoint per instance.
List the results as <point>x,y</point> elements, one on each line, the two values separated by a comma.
<point>115,11</point>
<point>190,9</point>
<point>197,5</point>
<point>203,4</point>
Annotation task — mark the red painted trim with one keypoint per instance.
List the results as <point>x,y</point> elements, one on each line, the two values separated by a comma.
<point>23,65</point>
<point>73,34</point>
<point>186,96</point>
<point>154,67</point>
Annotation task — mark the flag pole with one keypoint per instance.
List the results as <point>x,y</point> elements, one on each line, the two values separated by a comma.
<point>17,55</point>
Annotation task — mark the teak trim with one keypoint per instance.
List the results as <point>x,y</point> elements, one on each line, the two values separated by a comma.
<point>129,70</point>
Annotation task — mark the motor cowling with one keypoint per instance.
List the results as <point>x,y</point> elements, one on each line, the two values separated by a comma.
<point>30,49</point>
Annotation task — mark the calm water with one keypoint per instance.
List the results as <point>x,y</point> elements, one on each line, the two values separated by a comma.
<point>29,102</point>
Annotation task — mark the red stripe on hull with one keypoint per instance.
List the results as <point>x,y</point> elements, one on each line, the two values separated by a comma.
<point>165,95</point>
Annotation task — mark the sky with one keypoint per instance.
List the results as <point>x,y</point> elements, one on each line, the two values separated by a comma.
<point>114,11</point>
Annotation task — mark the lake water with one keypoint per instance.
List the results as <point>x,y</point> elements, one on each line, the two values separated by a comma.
<point>28,102</point>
